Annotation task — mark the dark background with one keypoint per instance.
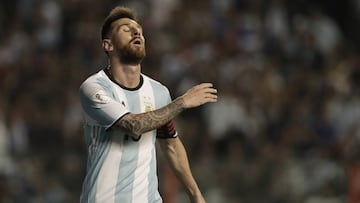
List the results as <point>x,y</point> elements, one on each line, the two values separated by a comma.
<point>285,128</point>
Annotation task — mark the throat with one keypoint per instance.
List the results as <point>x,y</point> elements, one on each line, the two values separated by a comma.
<point>129,80</point>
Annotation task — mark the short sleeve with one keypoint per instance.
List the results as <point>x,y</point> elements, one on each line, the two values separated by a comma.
<point>99,105</point>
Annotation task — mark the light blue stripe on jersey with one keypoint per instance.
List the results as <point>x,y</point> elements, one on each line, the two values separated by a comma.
<point>161,95</point>
<point>131,149</point>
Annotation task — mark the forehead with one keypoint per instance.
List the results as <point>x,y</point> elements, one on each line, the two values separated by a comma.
<point>125,21</point>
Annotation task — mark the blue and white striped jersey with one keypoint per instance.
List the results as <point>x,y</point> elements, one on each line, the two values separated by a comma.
<point>119,168</point>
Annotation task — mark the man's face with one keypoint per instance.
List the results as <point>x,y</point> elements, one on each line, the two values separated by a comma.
<point>128,41</point>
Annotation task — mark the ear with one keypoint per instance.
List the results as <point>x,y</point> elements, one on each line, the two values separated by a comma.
<point>107,45</point>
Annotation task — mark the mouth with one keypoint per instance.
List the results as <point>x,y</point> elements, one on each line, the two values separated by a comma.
<point>136,41</point>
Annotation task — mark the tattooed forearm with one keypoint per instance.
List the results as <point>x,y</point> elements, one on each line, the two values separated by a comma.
<point>140,123</point>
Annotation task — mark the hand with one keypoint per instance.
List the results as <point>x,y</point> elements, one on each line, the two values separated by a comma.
<point>199,95</point>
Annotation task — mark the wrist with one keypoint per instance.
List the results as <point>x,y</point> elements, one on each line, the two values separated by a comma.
<point>197,198</point>
<point>180,102</point>
<point>194,192</point>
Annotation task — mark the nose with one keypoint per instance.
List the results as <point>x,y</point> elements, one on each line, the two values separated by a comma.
<point>136,32</point>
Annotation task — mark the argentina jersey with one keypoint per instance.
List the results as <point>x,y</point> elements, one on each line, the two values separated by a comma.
<point>119,168</point>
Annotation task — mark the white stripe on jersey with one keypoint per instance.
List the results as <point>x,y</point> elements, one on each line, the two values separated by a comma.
<point>141,182</point>
<point>109,170</point>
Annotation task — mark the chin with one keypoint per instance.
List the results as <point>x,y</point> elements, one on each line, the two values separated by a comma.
<point>132,54</point>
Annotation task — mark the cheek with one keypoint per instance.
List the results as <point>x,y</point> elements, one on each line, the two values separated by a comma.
<point>121,39</point>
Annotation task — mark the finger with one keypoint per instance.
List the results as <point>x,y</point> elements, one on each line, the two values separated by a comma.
<point>211,96</point>
<point>205,85</point>
<point>210,90</point>
<point>213,91</point>
<point>211,100</point>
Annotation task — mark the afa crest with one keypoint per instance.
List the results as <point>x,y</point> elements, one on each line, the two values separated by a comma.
<point>148,105</point>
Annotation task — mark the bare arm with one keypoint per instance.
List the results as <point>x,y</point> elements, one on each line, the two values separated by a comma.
<point>140,123</point>
<point>176,155</point>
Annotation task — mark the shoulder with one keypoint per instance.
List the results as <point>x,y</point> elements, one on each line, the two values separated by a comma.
<point>155,84</point>
<point>160,91</point>
<point>94,82</point>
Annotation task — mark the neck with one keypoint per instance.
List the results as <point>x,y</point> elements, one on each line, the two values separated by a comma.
<point>126,75</point>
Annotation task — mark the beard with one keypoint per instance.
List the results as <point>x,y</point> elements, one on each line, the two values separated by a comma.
<point>130,54</point>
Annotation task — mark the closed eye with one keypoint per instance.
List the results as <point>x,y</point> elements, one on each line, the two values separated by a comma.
<point>129,28</point>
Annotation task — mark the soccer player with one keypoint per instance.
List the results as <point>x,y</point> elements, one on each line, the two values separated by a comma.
<point>125,113</point>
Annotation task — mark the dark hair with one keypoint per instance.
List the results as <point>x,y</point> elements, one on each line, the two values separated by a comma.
<point>115,14</point>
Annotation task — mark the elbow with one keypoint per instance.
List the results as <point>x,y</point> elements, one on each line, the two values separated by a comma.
<point>169,146</point>
<point>132,126</point>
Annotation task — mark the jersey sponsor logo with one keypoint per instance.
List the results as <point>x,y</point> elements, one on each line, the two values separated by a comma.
<point>101,97</point>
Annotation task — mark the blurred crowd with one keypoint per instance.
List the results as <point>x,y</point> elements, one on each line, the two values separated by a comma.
<point>285,128</point>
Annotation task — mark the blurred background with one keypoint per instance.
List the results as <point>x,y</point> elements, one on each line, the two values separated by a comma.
<point>285,128</point>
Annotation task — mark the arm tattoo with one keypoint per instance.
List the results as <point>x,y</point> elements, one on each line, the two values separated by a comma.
<point>141,123</point>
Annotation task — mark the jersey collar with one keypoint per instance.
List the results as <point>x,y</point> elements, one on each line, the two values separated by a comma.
<point>106,70</point>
